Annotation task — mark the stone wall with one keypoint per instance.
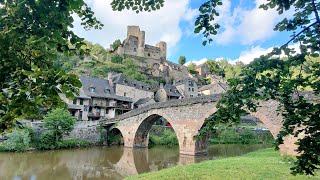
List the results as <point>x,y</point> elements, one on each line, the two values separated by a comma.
<point>132,92</point>
<point>86,130</point>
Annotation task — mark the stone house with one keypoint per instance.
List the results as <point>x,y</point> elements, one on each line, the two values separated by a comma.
<point>187,87</point>
<point>167,92</point>
<point>213,88</point>
<point>135,45</point>
<point>203,70</point>
<point>133,89</point>
<point>97,99</point>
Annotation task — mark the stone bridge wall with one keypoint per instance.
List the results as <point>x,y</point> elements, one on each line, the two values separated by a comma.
<point>161,105</point>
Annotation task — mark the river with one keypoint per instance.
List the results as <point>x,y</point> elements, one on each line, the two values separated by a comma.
<point>114,162</point>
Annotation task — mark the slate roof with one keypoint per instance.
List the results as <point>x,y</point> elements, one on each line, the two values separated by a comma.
<point>102,89</point>
<point>209,86</point>
<point>185,80</point>
<point>143,101</point>
<point>171,90</point>
<point>122,79</point>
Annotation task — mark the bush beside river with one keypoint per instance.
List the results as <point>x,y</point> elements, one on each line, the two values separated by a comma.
<point>161,135</point>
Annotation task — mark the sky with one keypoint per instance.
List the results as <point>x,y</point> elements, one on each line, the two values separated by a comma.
<point>246,30</point>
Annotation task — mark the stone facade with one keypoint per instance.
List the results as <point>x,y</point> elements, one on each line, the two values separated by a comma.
<point>86,130</point>
<point>187,87</point>
<point>97,99</point>
<point>213,88</point>
<point>151,59</point>
<point>135,45</point>
<point>186,117</point>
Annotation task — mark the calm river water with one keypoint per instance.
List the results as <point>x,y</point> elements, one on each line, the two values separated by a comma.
<point>103,162</point>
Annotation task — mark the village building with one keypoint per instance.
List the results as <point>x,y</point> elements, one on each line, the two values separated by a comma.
<point>187,87</point>
<point>213,88</point>
<point>167,92</point>
<point>143,102</point>
<point>97,99</point>
<point>202,70</point>
<point>131,88</point>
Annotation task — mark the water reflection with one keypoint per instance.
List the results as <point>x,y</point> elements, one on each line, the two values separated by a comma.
<point>103,162</point>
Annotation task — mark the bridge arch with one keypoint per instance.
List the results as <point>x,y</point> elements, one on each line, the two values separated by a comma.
<point>187,117</point>
<point>141,138</point>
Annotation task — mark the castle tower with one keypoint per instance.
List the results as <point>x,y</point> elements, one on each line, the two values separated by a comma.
<point>135,31</point>
<point>163,47</point>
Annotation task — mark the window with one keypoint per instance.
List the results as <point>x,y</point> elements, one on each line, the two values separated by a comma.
<point>80,115</point>
<point>107,91</point>
<point>149,54</point>
<point>141,87</point>
<point>85,108</point>
<point>92,89</point>
<point>124,94</point>
<point>189,89</point>
<point>192,90</point>
<point>190,83</point>
<point>191,95</point>
<point>74,101</point>
<point>81,101</point>
<point>134,49</point>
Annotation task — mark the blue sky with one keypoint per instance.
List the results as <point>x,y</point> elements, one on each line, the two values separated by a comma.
<point>246,31</point>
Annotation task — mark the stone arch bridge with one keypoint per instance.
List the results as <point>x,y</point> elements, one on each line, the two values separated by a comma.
<point>186,117</point>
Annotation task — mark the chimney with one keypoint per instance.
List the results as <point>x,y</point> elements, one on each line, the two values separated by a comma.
<point>110,79</point>
<point>161,85</point>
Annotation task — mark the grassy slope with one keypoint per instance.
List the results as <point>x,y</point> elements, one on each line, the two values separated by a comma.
<point>262,164</point>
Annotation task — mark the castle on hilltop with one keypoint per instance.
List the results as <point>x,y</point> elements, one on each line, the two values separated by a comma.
<point>135,45</point>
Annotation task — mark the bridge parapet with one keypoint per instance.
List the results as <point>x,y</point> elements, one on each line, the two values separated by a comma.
<point>171,103</point>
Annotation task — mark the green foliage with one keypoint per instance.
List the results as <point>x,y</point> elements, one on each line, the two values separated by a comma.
<point>114,46</point>
<point>59,122</point>
<point>117,59</point>
<point>269,77</point>
<point>31,34</point>
<point>137,6</point>
<point>72,143</point>
<point>18,140</point>
<point>182,60</point>
<point>167,137</point>
<point>192,68</point>
<point>241,136</point>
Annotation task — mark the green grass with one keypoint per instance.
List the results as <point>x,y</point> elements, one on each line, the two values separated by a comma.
<point>261,164</point>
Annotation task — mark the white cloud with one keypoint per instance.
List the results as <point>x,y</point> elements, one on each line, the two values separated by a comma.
<point>196,62</point>
<point>255,52</point>
<point>161,25</point>
<point>246,26</point>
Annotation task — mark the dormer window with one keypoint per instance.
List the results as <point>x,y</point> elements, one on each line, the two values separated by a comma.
<point>169,90</point>
<point>141,87</point>
<point>134,85</point>
<point>107,91</point>
<point>92,89</point>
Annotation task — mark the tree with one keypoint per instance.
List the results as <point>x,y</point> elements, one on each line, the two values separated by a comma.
<point>114,46</point>
<point>31,34</point>
<point>182,60</point>
<point>192,68</point>
<point>269,77</point>
<point>59,122</point>
<point>214,68</point>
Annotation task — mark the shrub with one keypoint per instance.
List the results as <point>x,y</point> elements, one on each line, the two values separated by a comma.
<point>18,140</point>
<point>59,122</point>
<point>247,136</point>
<point>117,59</point>
<point>72,143</point>
<point>168,138</point>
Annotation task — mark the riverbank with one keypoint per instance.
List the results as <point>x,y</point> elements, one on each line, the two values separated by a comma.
<point>261,164</point>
